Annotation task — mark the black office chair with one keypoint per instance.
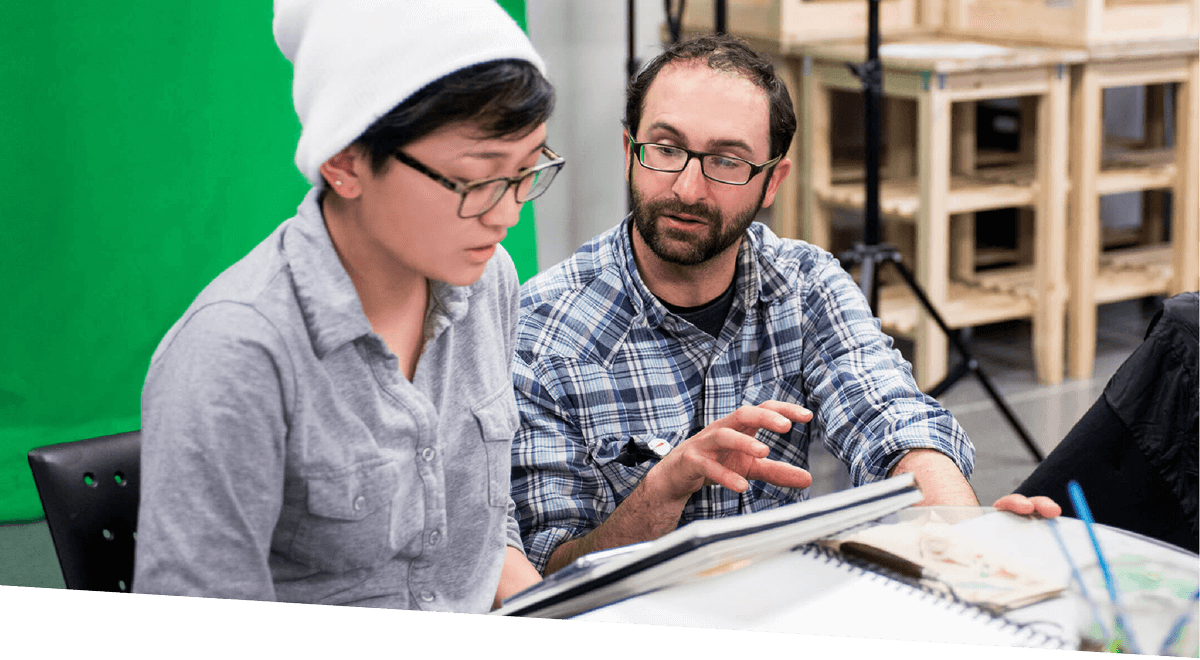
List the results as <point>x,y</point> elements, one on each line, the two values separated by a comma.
<point>89,491</point>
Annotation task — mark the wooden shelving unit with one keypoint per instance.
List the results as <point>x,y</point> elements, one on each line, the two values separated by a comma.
<point>1104,166</point>
<point>934,181</point>
<point>1072,23</point>
<point>1133,273</point>
<point>964,306</point>
<point>901,198</point>
<point>1132,170</point>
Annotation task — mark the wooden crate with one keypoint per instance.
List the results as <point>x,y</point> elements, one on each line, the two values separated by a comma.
<point>1071,23</point>
<point>801,21</point>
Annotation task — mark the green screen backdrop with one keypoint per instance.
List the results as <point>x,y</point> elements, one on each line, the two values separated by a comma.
<point>147,146</point>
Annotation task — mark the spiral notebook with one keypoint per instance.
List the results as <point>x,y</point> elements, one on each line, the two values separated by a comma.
<point>816,591</point>
<point>706,548</point>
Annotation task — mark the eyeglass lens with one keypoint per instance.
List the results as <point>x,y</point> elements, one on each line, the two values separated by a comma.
<point>481,199</point>
<point>718,168</point>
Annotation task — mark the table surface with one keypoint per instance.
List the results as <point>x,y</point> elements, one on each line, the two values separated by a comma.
<point>770,595</point>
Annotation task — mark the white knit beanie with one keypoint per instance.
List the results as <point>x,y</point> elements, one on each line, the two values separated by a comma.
<point>355,60</point>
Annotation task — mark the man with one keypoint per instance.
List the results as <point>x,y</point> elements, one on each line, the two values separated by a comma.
<point>648,361</point>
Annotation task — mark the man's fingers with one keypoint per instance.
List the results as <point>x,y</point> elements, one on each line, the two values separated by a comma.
<point>716,473</point>
<point>1019,504</point>
<point>792,411</point>
<point>729,457</point>
<point>774,416</point>
<point>701,459</point>
<point>1015,503</point>
<point>781,474</point>
<point>731,440</point>
<point>1046,507</point>
<point>784,475</point>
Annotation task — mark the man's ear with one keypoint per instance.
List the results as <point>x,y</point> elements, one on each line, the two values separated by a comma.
<point>628,153</point>
<point>777,176</point>
<point>343,170</point>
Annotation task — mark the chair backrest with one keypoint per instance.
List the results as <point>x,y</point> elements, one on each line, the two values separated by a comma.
<point>89,492</point>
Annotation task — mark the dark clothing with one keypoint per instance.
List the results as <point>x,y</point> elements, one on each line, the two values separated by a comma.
<point>709,317</point>
<point>1135,452</point>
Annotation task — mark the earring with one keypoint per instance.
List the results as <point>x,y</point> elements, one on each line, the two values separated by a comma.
<point>337,183</point>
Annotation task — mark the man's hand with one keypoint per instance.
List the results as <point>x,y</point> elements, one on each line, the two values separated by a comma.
<point>726,453</point>
<point>943,484</point>
<point>1038,504</point>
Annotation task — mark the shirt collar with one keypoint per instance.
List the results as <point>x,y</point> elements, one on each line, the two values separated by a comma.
<point>765,280</point>
<point>758,278</point>
<point>644,303</point>
<point>448,304</point>
<point>327,297</point>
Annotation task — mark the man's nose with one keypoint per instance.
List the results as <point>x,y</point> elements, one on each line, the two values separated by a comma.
<point>690,184</point>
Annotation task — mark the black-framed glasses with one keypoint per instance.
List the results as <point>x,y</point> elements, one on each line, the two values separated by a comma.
<point>478,197</point>
<point>722,169</point>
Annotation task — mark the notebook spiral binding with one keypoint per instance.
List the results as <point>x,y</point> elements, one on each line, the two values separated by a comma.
<point>1023,631</point>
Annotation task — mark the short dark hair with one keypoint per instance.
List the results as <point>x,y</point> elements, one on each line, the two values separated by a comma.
<point>720,52</point>
<point>502,98</point>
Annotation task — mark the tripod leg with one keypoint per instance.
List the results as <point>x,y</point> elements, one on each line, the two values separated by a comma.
<point>956,373</point>
<point>868,281</point>
<point>1006,411</point>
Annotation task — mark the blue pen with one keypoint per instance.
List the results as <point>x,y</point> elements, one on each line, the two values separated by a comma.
<point>1085,514</point>
<point>1053,524</point>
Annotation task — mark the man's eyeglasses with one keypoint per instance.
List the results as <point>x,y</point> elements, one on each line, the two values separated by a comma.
<point>722,169</point>
<point>478,197</point>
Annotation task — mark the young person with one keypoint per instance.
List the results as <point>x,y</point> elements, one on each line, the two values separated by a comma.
<point>330,420</point>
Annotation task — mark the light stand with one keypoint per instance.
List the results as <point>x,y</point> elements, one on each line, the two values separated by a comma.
<point>871,254</point>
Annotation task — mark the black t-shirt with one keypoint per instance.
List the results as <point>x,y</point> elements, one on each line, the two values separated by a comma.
<point>709,317</point>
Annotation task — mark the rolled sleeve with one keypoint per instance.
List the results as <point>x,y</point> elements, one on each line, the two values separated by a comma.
<point>866,403</point>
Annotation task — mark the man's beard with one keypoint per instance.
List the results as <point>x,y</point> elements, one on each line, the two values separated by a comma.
<point>720,236</point>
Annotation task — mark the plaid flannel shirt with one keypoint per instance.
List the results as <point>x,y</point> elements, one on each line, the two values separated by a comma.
<point>603,370</point>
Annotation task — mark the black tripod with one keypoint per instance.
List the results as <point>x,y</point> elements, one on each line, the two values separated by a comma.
<point>871,254</point>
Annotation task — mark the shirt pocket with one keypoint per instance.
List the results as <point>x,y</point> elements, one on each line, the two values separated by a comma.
<point>350,518</point>
<point>497,418</point>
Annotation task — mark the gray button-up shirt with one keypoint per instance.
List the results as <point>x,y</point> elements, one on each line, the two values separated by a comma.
<point>285,457</point>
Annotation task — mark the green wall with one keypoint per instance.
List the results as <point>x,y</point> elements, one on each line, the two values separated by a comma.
<point>146,147</point>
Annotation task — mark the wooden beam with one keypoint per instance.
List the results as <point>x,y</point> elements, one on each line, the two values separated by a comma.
<point>1083,220</point>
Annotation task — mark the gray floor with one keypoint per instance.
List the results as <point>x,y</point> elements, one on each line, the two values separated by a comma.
<point>1001,461</point>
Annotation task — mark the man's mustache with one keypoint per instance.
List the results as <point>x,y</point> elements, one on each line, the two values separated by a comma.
<point>675,207</point>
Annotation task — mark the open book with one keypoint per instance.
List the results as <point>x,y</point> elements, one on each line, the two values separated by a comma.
<point>706,548</point>
<point>929,545</point>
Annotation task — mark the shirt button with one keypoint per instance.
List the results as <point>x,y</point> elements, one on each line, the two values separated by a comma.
<point>660,447</point>
<point>434,536</point>
<point>427,596</point>
<point>359,503</point>
<point>427,453</point>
